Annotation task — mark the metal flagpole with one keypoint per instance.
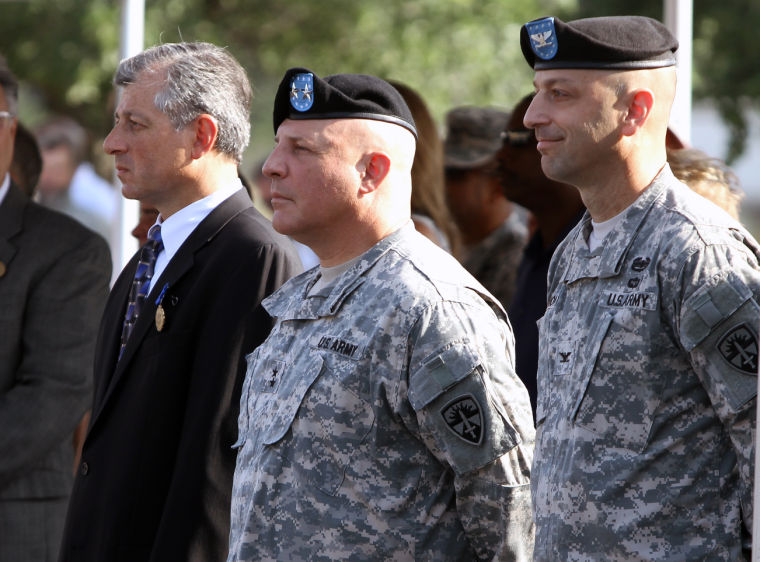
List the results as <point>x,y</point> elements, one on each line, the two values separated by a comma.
<point>131,42</point>
<point>678,17</point>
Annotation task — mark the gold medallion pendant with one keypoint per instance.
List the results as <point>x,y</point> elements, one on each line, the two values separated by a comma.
<point>160,318</point>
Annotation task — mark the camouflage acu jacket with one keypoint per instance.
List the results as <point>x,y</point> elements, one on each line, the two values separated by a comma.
<point>384,421</point>
<point>494,261</point>
<point>647,383</point>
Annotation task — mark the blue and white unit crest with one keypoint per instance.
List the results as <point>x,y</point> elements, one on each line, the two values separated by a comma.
<point>543,38</point>
<point>302,91</point>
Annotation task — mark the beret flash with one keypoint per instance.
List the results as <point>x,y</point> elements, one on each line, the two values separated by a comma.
<point>607,43</point>
<point>304,95</point>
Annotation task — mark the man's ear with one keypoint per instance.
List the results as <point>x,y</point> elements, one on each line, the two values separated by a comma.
<point>377,166</point>
<point>639,110</point>
<point>206,131</point>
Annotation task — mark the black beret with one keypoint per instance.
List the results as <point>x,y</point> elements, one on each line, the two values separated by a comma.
<point>608,43</point>
<point>304,95</point>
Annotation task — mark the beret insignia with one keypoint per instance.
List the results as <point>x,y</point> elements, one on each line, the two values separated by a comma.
<point>302,91</point>
<point>543,38</point>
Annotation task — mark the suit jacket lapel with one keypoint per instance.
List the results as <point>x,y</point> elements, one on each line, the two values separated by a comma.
<point>11,223</point>
<point>178,267</point>
<point>109,337</point>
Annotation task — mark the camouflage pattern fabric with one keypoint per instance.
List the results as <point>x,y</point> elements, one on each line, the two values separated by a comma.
<point>647,386</point>
<point>494,260</point>
<point>384,421</point>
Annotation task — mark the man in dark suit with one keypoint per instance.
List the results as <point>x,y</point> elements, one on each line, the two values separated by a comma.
<point>157,464</point>
<point>54,277</point>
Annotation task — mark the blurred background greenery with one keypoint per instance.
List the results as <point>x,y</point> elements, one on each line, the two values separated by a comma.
<point>452,51</point>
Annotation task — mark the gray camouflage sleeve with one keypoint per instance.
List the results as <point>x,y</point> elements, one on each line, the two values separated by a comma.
<point>474,415</point>
<point>719,322</point>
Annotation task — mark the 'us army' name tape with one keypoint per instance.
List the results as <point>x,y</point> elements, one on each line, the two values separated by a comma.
<point>643,300</point>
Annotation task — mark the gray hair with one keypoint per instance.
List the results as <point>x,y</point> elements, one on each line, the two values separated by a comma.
<point>200,78</point>
<point>10,86</point>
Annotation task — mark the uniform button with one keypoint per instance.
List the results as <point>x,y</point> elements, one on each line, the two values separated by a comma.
<point>84,468</point>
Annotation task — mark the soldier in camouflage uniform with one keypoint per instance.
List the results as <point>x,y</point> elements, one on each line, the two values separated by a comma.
<point>493,232</point>
<point>382,419</point>
<point>648,349</point>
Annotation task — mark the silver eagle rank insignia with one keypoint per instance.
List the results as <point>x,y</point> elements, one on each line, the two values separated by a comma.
<point>543,38</point>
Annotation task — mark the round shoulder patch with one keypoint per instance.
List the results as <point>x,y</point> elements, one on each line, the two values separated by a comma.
<point>464,417</point>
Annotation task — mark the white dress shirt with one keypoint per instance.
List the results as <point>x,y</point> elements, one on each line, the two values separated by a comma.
<point>176,229</point>
<point>4,187</point>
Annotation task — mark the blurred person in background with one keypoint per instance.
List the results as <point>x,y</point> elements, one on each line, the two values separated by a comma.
<point>27,161</point>
<point>54,276</point>
<point>25,173</point>
<point>261,189</point>
<point>493,233</point>
<point>555,208</point>
<point>430,212</point>
<point>68,182</point>
<point>146,219</point>
<point>708,176</point>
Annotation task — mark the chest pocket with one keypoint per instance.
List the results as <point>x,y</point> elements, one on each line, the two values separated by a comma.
<point>559,345</point>
<point>619,395</point>
<point>318,423</point>
<point>244,416</point>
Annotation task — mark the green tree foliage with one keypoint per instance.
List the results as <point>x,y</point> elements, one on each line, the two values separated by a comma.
<point>726,68</point>
<point>66,51</point>
<point>452,51</point>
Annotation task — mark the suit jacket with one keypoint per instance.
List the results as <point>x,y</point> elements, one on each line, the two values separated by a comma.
<point>157,464</point>
<point>54,276</point>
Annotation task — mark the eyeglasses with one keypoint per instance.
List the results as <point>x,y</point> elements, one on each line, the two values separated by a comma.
<point>517,138</point>
<point>6,115</point>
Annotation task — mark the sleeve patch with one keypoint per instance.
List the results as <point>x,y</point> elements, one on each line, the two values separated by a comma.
<point>464,417</point>
<point>738,347</point>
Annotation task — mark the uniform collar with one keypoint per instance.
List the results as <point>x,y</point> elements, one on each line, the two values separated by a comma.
<point>607,260</point>
<point>291,302</point>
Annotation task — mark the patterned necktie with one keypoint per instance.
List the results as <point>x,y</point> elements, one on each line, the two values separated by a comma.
<point>139,290</point>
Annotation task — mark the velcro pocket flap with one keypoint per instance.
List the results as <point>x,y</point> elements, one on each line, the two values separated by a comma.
<point>719,299</point>
<point>441,371</point>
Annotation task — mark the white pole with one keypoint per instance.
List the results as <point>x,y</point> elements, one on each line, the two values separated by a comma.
<point>132,41</point>
<point>678,17</point>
